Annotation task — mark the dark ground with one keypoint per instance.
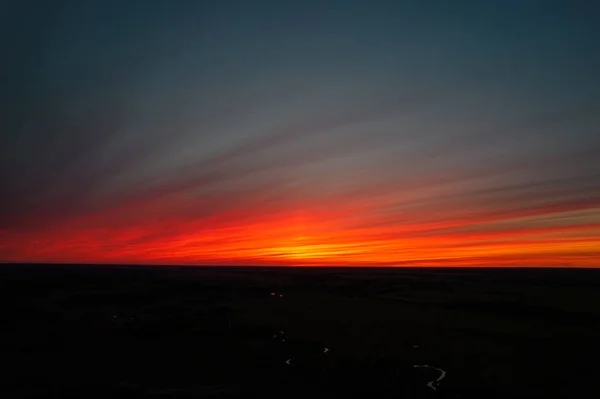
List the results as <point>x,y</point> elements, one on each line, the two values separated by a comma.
<point>116,331</point>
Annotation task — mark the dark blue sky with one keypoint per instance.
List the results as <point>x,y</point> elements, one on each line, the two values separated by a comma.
<point>197,109</point>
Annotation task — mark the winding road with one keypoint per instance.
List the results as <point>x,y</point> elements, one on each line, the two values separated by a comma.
<point>433,384</point>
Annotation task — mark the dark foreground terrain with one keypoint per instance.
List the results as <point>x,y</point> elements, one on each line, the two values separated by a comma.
<point>117,331</point>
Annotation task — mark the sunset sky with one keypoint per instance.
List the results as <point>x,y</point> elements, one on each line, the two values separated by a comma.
<point>406,133</point>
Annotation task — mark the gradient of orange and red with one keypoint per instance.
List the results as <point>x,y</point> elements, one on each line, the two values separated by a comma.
<point>258,133</point>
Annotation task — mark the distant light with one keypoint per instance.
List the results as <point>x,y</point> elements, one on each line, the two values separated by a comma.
<point>326,350</point>
<point>272,294</point>
<point>280,295</point>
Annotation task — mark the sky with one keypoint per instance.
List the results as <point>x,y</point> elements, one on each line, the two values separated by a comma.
<point>351,133</point>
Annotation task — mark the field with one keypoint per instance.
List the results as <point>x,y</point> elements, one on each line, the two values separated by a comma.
<point>139,331</point>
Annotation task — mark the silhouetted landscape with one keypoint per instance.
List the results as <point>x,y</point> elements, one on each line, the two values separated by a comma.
<point>232,332</point>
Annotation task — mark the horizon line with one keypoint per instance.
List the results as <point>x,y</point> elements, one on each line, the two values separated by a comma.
<point>297,266</point>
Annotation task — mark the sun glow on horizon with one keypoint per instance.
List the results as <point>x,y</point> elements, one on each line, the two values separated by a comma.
<point>319,240</point>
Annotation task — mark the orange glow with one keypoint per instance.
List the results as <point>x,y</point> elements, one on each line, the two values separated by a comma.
<point>323,237</point>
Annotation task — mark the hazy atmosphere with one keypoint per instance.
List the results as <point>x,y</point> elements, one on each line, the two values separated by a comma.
<point>301,133</point>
